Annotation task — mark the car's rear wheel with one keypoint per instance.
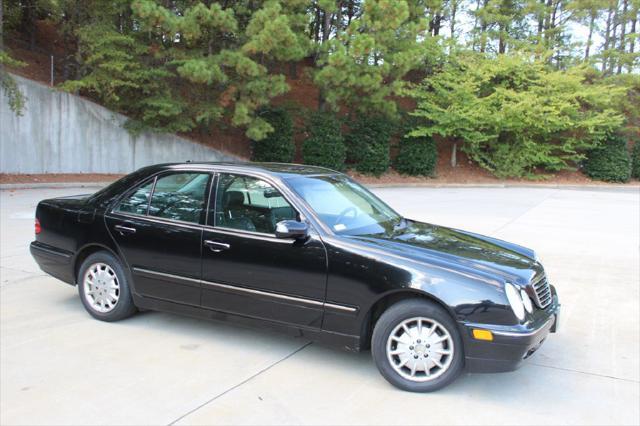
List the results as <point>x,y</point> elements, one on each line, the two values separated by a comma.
<point>417,347</point>
<point>104,289</point>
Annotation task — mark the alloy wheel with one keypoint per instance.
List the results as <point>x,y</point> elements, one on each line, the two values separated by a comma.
<point>101,287</point>
<point>420,349</point>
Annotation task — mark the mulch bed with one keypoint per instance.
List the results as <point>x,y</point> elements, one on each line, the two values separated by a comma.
<point>462,175</point>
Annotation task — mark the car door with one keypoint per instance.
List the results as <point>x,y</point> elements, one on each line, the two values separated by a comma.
<point>158,229</point>
<point>247,270</point>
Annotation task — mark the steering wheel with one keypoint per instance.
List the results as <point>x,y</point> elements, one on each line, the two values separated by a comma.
<point>344,213</point>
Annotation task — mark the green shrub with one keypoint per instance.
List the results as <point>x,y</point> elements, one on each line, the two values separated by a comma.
<point>417,156</point>
<point>514,115</point>
<point>325,146</point>
<point>610,161</point>
<point>368,144</point>
<point>278,146</point>
<point>635,160</point>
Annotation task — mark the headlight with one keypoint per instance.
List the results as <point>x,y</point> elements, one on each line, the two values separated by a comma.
<point>526,301</point>
<point>514,300</point>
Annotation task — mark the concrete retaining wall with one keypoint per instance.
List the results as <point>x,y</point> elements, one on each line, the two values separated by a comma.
<point>63,133</point>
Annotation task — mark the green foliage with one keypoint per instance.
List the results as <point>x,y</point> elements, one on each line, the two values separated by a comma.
<point>219,53</point>
<point>15,97</point>
<point>635,160</point>
<point>278,146</point>
<point>368,143</point>
<point>514,116</point>
<point>610,161</point>
<point>629,104</point>
<point>118,76</point>
<point>177,66</point>
<point>365,64</point>
<point>504,79</point>
<point>324,145</point>
<point>417,156</point>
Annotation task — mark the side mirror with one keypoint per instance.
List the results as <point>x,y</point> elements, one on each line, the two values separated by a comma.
<point>292,229</point>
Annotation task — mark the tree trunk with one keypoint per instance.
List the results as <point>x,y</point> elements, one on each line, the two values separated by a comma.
<point>1,27</point>
<point>454,10</point>
<point>475,25</point>
<point>326,31</point>
<point>553,37</point>
<point>502,43</point>
<point>350,11</point>
<point>592,24</point>
<point>326,26</point>
<point>607,35</point>
<point>541,21</point>
<point>547,23</point>
<point>435,24</point>
<point>76,54</point>
<point>339,18</point>
<point>632,43</point>
<point>316,26</point>
<point>28,21</point>
<point>483,30</point>
<point>614,31</point>
<point>293,70</point>
<point>622,35</point>
<point>454,154</point>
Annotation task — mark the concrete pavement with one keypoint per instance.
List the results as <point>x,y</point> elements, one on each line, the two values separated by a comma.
<point>57,365</point>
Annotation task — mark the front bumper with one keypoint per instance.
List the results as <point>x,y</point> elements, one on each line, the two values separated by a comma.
<point>510,345</point>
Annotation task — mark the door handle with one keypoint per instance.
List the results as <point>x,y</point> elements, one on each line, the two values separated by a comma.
<point>125,229</point>
<point>215,246</point>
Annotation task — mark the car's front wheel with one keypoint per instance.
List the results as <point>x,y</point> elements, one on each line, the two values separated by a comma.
<point>104,289</point>
<point>417,347</point>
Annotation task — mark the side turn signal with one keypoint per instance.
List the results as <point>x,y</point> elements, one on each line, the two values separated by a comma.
<point>482,334</point>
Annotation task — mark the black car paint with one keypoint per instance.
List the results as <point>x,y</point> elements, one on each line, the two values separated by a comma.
<point>326,287</point>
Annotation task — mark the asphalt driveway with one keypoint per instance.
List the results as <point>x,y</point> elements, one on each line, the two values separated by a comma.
<point>57,365</point>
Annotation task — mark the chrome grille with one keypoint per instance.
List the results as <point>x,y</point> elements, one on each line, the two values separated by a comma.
<point>542,291</point>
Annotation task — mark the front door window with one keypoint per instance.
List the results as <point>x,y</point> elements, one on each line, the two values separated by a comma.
<point>250,204</point>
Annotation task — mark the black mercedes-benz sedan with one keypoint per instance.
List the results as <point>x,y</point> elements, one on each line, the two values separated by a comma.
<point>304,250</point>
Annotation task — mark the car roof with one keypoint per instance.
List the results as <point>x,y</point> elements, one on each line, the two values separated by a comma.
<point>284,170</point>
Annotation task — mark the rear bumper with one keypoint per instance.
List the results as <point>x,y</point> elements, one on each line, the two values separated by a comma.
<point>54,261</point>
<point>509,348</point>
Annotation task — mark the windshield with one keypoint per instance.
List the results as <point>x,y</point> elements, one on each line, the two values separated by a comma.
<point>345,206</point>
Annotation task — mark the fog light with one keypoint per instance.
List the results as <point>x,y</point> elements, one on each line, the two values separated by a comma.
<point>482,334</point>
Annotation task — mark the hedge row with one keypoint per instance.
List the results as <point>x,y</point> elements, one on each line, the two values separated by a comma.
<point>635,160</point>
<point>278,146</point>
<point>610,161</point>
<point>365,146</point>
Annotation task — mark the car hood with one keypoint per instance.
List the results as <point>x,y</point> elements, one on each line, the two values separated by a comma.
<point>458,249</point>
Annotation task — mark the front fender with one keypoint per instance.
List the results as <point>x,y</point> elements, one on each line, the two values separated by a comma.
<point>470,300</point>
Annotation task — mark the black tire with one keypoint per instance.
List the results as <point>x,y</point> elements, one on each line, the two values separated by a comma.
<point>124,306</point>
<point>395,315</point>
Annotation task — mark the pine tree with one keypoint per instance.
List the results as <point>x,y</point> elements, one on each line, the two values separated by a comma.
<point>366,61</point>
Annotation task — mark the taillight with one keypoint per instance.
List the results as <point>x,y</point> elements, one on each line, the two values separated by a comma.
<point>38,227</point>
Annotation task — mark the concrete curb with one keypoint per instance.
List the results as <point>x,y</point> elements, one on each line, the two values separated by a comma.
<point>617,188</point>
<point>51,185</point>
<point>620,188</point>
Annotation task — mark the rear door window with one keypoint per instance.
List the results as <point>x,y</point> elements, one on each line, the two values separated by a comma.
<point>138,201</point>
<point>180,196</point>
